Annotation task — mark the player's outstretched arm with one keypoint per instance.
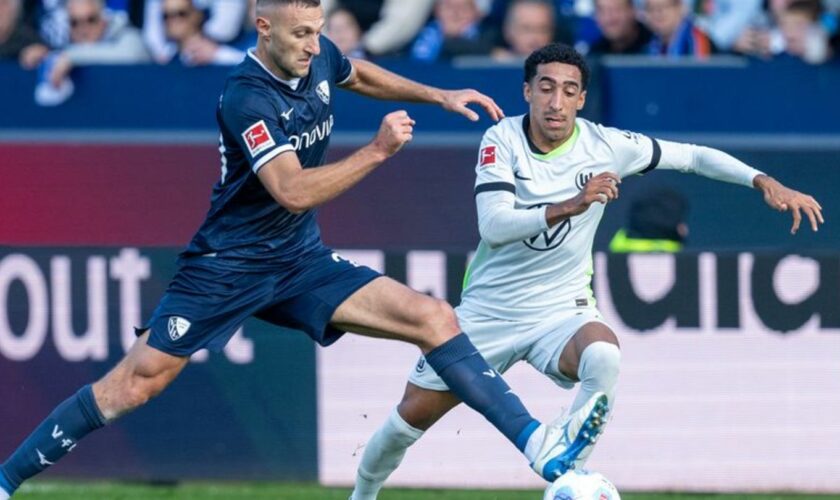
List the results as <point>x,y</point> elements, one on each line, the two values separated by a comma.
<point>721,166</point>
<point>298,189</point>
<point>374,81</point>
<point>784,199</point>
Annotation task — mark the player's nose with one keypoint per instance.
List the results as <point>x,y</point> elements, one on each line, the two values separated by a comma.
<point>314,47</point>
<point>556,102</point>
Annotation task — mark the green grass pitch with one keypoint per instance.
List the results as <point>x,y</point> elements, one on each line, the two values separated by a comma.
<point>43,490</point>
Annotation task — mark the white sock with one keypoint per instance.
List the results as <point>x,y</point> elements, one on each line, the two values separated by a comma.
<point>383,454</point>
<point>597,371</point>
<point>532,447</point>
<point>3,494</point>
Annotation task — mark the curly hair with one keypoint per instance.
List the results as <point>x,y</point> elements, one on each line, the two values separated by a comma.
<point>556,52</point>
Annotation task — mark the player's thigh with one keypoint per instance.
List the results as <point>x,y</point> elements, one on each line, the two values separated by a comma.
<point>589,333</point>
<point>143,373</point>
<point>387,309</point>
<point>558,341</point>
<point>421,408</point>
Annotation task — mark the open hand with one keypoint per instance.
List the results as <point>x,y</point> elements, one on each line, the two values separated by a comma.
<point>457,101</point>
<point>784,199</point>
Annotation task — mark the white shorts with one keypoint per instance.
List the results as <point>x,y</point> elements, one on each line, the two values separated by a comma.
<point>505,342</point>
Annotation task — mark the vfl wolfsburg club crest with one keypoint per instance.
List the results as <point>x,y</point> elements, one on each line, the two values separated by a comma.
<point>178,327</point>
<point>323,91</point>
<point>582,178</point>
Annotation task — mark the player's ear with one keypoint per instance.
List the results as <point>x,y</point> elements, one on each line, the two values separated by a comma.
<point>526,91</point>
<point>581,100</point>
<point>263,27</point>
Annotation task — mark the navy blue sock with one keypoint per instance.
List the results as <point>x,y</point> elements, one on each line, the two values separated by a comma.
<point>57,435</point>
<point>470,378</point>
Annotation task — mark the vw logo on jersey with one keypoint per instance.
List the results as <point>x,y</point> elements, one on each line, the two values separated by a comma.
<point>323,91</point>
<point>551,238</point>
<point>582,178</point>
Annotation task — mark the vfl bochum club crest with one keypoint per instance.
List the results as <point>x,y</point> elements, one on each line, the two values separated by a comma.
<point>178,327</point>
<point>323,91</point>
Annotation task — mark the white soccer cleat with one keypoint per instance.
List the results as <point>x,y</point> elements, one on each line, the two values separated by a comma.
<point>568,441</point>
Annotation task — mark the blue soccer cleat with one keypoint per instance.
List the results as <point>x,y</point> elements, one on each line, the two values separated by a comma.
<point>568,441</point>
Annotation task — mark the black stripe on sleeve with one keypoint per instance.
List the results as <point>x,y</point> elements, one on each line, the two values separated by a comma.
<point>495,186</point>
<point>655,157</point>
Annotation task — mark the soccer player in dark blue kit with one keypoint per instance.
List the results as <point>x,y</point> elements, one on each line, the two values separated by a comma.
<point>259,252</point>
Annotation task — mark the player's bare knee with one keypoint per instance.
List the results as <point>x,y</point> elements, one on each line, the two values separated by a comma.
<point>437,321</point>
<point>142,389</point>
<point>416,414</point>
<point>135,396</point>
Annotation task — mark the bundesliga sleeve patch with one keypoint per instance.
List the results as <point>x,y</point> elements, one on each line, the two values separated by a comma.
<point>258,138</point>
<point>487,156</point>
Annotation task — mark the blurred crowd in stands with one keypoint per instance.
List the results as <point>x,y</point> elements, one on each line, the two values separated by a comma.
<point>56,35</point>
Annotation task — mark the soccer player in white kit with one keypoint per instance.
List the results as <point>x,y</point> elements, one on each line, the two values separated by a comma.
<point>542,182</point>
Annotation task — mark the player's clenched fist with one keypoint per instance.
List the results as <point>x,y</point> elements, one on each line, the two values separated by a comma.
<point>601,188</point>
<point>397,128</point>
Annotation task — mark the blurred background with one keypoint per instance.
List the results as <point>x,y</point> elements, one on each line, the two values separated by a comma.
<point>731,338</point>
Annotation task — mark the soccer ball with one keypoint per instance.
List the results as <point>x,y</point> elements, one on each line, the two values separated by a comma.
<point>581,485</point>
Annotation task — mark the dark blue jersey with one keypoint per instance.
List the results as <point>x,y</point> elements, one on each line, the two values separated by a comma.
<point>260,117</point>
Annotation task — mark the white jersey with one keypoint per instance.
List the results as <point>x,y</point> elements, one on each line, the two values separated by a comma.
<point>526,279</point>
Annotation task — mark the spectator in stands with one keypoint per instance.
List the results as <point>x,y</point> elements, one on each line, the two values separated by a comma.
<point>674,31</point>
<point>454,31</point>
<point>565,19</point>
<point>183,22</point>
<point>344,30</point>
<point>248,36</point>
<point>16,37</point>
<point>222,24</point>
<point>726,20</point>
<point>803,34</point>
<point>621,30</point>
<point>529,25</point>
<point>656,222</point>
<point>97,36</point>
<point>387,25</point>
<point>53,25</point>
<point>762,38</point>
<point>579,16</point>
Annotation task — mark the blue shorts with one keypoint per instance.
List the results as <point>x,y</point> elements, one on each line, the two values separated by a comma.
<point>206,302</point>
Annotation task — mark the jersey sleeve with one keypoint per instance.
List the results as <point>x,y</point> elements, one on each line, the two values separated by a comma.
<point>494,170</point>
<point>633,153</point>
<point>252,120</point>
<point>499,221</point>
<point>340,66</point>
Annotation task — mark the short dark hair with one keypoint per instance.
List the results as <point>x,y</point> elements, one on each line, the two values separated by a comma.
<point>811,8</point>
<point>276,3</point>
<point>556,52</point>
<point>630,3</point>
